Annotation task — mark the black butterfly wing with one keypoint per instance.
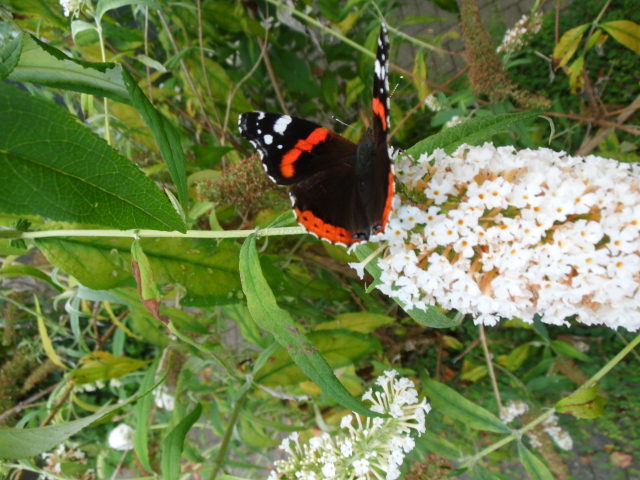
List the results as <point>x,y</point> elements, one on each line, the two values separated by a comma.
<point>293,149</point>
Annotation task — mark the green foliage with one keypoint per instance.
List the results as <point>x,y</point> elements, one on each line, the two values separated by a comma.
<point>252,341</point>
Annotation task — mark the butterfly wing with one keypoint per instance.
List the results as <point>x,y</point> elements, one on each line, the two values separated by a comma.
<point>293,149</point>
<point>376,182</point>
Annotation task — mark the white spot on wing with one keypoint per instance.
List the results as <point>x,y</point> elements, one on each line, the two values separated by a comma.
<point>279,147</point>
<point>268,139</point>
<point>378,69</point>
<point>260,115</point>
<point>281,124</point>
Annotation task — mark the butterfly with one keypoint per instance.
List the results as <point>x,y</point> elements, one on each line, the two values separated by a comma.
<point>340,191</point>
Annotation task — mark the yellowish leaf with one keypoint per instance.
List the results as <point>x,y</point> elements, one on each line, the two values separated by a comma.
<point>46,341</point>
<point>420,75</point>
<point>624,31</point>
<point>568,45</point>
<point>576,75</point>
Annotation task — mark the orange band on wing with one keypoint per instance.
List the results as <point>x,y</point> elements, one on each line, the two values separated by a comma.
<point>379,110</point>
<point>325,230</point>
<point>287,167</point>
<point>389,202</point>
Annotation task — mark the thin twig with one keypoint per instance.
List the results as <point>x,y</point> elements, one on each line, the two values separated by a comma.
<point>604,123</point>
<point>201,48</point>
<point>146,52</point>
<point>26,403</point>
<point>492,373</point>
<point>272,76</point>
<point>235,88</point>
<point>63,398</point>
<point>212,129</point>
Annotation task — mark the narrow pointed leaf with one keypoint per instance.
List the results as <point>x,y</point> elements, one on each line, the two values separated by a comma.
<point>142,412</point>
<point>16,443</point>
<point>471,132</point>
<point>270,317</point>
<point>624,31</point>
<point>533,465</point>
<point>568,45</point>
<point>452,404</point>
<point>44,336</point>
<point>43,64</point>
<point>165,134</point>
<point>173,444</point>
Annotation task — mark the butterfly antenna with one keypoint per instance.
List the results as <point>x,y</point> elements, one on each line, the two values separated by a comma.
<point>396,87</point>
<point>336,119</point>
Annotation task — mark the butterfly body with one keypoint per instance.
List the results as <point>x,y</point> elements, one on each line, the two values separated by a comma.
<point>340,191</point>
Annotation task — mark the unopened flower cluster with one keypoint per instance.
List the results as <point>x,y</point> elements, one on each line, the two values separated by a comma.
<point>371,449</point>
<point>69,453</point>
<point>499,233</point>
<point>550,426</point>
<point>71,7</point>
<point>518,36</point>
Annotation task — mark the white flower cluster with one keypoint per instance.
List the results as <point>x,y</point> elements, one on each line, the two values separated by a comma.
<point>433,103</point>
<point>560,437</point>
<point>512,410</point>
<point>65,454</point>
<point>121,437</point>
<point>373,449</point>
<point>518,36</point>
<point>502,233</point>
<point>163,398</point>
<point>71,7</point>
<point>515,408</point>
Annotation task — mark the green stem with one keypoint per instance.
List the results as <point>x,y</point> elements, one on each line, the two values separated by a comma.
<point>518,433</point>
<point>322,27</point>
<point>224,446</point>
<point>105,102</point>
<point>266,232</point>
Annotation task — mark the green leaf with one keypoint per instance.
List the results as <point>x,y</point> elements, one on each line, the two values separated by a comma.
<point>437,444</point>
<point>84,33</point>
<point>270,317</point>
<point>472,132</point>
<point>50,165</point>
<point>515,358</point>
<point>568,44</point>
<point>533,465</point>
<point>142,412</point>
<point>45,65</point>
<point>585,403</point>
<point>576,74</point>
<point>173,444</point>
<point>147,288</point>
<point>624,31</point>
<point>432,317</point>
<point>18,270</point>
<point>16,443</point>
<point>105,5</point>
<point>452,404</point>
<point>11,40</point>
<point>338,347</point>
<point>363,322</point>
<point>166,137</point>
<point>103,366</point>
<point>44,336</point>
<point>568,350</point>
<point>206,269</point>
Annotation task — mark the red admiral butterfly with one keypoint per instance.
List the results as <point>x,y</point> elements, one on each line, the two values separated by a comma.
<point>340,191</point>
